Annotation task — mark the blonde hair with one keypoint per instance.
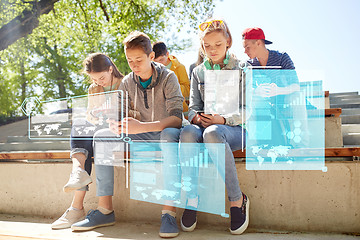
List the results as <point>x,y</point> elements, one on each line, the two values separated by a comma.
<point>223,28</point>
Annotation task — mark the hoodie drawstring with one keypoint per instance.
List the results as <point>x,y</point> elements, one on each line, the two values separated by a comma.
<point>153,100</point>
<point>135,100</point>
<point>145,99</point>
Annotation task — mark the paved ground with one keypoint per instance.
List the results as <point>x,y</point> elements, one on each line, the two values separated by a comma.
<point>18,128</point>
<point>18,227</point>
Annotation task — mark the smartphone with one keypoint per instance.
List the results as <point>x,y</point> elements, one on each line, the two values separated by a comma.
<point>201,113</point>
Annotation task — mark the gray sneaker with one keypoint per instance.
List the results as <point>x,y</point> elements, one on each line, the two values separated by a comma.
<point>169,227</point>
<point>70,217</point>
<point>78,179</point>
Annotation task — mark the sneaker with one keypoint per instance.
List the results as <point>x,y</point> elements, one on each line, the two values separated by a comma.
<point>168,228</point>
<point>94,219</point>
<point>70,217</point>
<point>78,179</point>
<point>188,220</point>
<point>240,217</point>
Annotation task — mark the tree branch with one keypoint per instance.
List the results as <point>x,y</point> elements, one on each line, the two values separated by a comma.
<point>24,23</point>
<point>104,10</point>
<point>85,15</point>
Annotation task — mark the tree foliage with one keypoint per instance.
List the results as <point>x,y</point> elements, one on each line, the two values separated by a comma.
<point>46,59</point>
<point>25,22</point>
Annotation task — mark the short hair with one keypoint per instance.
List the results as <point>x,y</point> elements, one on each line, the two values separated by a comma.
<point>100,62</point>
<point>139,40</point>
<point>160,49</point>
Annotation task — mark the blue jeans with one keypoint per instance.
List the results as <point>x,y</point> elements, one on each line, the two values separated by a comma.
<point>231,137</point>
<point>82,144</point>
<point>105,174</point>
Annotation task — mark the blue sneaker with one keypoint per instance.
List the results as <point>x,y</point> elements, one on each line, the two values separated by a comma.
<point>169,227</point>
<point>93,220</point>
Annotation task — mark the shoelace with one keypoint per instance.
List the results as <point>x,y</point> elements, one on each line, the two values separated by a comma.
<point>75,175</point>
<point>169,217</point>
<point>90,213</point>
<point>65,213</point>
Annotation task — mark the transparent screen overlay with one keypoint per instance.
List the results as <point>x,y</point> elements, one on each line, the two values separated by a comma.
<point>286,124</point>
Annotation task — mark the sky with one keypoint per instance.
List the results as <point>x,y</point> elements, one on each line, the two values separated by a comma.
<point>322,37</point>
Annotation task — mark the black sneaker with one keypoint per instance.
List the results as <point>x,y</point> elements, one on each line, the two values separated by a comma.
<point>240,217</point>
<point>188,220</point>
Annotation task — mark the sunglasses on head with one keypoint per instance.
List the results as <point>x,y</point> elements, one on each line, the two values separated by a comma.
<point>215,23</point>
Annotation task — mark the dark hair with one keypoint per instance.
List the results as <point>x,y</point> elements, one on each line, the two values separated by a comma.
<point>138,39</point>
<point>99,62</point>
<point>160,49</point>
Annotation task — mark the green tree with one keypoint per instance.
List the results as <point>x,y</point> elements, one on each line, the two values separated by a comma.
<point>18,77</point>
<point>48,61</point>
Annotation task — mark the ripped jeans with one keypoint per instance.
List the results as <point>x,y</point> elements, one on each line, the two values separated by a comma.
<point>231,136</point>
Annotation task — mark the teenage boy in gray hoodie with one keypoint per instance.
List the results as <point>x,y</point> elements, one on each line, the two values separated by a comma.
<point>155,101</point>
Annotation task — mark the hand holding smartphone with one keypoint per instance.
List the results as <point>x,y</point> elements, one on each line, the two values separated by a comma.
<point>202,114</point>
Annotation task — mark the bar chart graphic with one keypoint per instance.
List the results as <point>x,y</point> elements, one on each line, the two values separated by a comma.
<point>181,171</point>
<point>201,161</point>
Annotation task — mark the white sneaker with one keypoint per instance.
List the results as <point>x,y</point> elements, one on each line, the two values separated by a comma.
<point>70,217</point>
<point>78,179</point>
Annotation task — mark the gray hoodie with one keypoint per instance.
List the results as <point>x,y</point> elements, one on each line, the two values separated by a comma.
<point>197,92</point>
<point>161,99</point>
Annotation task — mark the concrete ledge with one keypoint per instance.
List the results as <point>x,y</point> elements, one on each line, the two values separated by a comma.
<point>333,132</point>
<point>341,94</point>
<point>280,200</point>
